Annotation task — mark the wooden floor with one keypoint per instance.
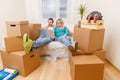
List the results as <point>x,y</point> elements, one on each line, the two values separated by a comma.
<point>60,70</point>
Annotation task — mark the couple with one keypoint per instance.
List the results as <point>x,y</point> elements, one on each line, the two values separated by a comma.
<point>61,34</point>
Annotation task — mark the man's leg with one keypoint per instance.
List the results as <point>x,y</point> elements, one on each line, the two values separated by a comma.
<point>27,43</point>
<point>95,18</point>
<point>90,17</point>
<point>41,41</point>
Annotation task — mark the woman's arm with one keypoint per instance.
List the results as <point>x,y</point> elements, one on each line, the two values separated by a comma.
<point>54,31</point>
<point>66,31</point>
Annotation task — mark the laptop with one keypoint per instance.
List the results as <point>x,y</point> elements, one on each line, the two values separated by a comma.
<point>50,32</point>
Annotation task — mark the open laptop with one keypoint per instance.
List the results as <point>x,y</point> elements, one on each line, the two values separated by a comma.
<point>50,32</point>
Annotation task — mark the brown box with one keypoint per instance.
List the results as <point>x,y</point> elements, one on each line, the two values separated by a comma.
<point>89,40</point>
<point>24,63</point>
<point>92,25</point>
<point>16,28</point>
<point>34,31</point>
<point>13,44</point>
<point>86,67</point>
<point>101,54</point>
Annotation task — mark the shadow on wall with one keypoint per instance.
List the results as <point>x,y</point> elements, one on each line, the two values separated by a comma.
<point>2,35</point>
<point>108,44</point>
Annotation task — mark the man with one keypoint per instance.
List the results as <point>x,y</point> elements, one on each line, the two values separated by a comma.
<point>95,15</point>
<point>46,36</point>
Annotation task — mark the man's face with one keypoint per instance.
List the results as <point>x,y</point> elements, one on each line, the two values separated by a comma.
<point>50,23</point>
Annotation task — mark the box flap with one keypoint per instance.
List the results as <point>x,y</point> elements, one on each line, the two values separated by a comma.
<point>16,22</point>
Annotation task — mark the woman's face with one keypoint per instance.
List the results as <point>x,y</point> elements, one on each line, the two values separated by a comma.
<point>59,24</point>
<point>50,23</point>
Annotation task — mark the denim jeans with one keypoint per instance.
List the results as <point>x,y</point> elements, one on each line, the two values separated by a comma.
<point>65,40</point>
<point>43,39</point>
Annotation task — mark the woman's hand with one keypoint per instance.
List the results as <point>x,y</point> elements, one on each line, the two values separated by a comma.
<point>64,35</point>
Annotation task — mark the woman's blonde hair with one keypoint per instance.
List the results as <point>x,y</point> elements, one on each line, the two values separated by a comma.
<point>60,21</point>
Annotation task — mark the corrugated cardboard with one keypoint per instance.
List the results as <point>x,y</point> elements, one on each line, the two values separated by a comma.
<point>86,67</point>
<point>24,63</point>
<point>92,22</point>
<point>16,28</point>
<point>80,52</point>
<point>34,31</point>
<point>92,25</point>
<point>13,44</point>
<point>89,40</point>
<point>101,54</point>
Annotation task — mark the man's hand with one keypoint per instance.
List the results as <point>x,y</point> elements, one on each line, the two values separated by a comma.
<point>55,39</point>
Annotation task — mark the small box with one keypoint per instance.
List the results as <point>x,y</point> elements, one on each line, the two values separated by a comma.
<point>92,25</point>
<point>34,31</point>
<point>86,67</point>
<point>101,54</point>
<point>13,44</point>
<point>16,28</point>
<point>89,40</point>
<point>24,63</point>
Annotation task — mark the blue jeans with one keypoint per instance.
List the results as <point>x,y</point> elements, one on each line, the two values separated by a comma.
<point>43,39</point>
<point>65,40</point>
<point>43,33</point>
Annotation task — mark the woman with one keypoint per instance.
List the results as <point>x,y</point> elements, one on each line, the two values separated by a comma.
<point>62,35</point>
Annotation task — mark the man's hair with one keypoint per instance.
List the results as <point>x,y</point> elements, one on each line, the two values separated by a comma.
<point>51,19</point>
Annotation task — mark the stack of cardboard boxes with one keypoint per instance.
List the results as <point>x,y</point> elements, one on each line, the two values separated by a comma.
<point>14,56</point>
<point>90,40</point>
<point>89,66</point>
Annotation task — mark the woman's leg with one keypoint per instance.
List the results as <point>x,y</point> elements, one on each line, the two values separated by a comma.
<point>65,40</point>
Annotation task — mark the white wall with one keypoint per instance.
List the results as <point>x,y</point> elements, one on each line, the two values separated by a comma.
<point>110,10</point>
<point>33,10</point>
<point>10,10</point>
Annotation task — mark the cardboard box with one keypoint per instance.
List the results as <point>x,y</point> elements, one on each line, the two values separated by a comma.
<point>101,54</point>
<point>16,28</point>
<point>13,44</point>
<point>24,63</point>
<point>86,67</point>
<point>89,40</point>
<point>34,31</point>
<point>92,25</point>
